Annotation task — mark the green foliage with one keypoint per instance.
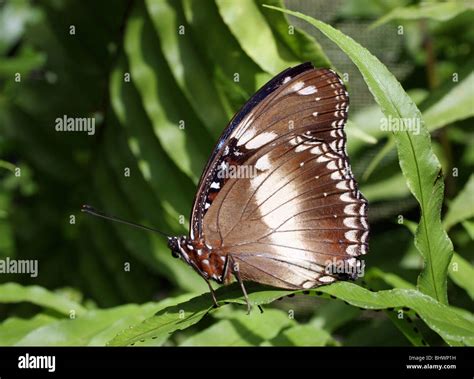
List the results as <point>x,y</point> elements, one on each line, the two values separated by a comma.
<point>162,79</point>
<point>462,207</point>
<point>436,11</point>
<point>15,293</point>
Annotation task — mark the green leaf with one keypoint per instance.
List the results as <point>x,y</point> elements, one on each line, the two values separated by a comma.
<point>462,207</point>
<point>189,71</point>
<point>469,227</point>
<point>240,329</point>
<point>95,327</point>
<point>419,165</point>
<point>14,329</point>
<point>153,162</point>
<point>205,21</point>
<point>255,36</point>
<point>353,131</point>
<point>391,279</point>
<point>442,11</point>
<point>163,105</point>
<point>24,63</point>
<point>333,315</point>
<point>379,157</point>
<point>16,293</point>
<point>301,335</point>
<point>453,326</point>
<point>456,105</point>
<point>148,247</point>
<point>301,44</point>
<point>165,322</point>
<point>391,188</point>
<point>91,329</point>
<point>461,272</point>
<point>405,327</point>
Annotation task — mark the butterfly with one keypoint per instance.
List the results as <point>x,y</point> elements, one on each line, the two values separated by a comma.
<point>277,203</point>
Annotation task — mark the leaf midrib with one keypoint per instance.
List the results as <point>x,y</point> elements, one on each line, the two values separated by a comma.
<point>423,216</point>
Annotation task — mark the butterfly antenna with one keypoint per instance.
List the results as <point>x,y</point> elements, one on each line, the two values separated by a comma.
<point>94,212</point>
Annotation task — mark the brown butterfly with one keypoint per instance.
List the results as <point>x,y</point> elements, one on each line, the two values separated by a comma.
<point>277,203</point>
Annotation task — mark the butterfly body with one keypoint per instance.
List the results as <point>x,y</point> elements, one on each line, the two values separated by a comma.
<point>277,202</point>
<point>209,262</point>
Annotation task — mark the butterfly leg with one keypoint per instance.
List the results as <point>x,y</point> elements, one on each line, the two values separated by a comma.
<point>235,271</point>
<point>213,294</point>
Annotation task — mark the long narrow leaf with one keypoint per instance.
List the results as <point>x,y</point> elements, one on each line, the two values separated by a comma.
<point>462,207</point>
<point>442,11</point>
<point>255,36</point>
<point>16,293</point>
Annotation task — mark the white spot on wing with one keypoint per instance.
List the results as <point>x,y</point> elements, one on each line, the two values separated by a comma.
<point>297,86</point>
<point>336,175</point>
<point>215,185</point>
<point>331,166</point>
<point>316,150</point>
<point>263,163</point>
<point>260,140</point>
<point>323,158</point>
<point>351,209</point>
<point>300,148</point>
<point>247,136</point>
<point>307,90</point>
<point>342,185</point>
<point>352,250</point>
<point>351,222</point>
<point>351,236</point>
<point>346,197</point>
<point>326,279</point>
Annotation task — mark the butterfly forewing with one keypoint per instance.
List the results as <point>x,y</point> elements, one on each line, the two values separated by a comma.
<point>297,208</point>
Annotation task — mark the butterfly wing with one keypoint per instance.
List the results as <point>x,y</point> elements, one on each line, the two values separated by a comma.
<point>238,124</point>
<point>297,211</point>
